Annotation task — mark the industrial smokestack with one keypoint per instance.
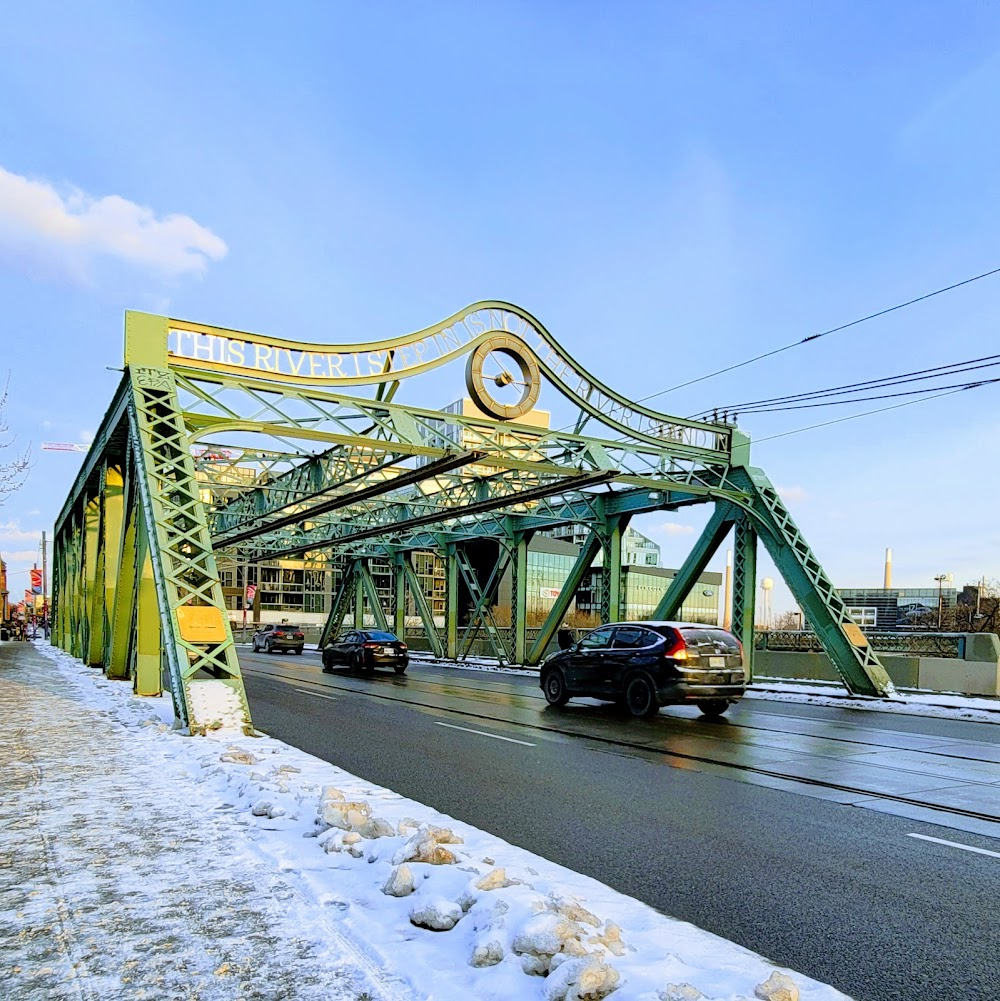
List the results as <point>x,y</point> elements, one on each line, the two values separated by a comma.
<point>888,569</point>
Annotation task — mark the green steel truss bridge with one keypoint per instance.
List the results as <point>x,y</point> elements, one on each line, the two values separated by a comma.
<point>220,442</point>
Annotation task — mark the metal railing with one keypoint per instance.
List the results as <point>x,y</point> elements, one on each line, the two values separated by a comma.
<point>777,640</point>
<point>910,644</point>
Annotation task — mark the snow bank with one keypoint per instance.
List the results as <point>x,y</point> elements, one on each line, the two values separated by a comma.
<point>968,708</point>
<point>453,911</point>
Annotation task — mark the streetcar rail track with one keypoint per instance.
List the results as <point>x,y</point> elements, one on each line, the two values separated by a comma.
<point>329,681</point>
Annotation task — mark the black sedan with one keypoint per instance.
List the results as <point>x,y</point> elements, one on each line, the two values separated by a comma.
<point>645,665</point>
<point>366,649</point>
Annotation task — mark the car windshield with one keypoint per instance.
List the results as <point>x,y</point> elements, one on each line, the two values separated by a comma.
<point>380,637</point>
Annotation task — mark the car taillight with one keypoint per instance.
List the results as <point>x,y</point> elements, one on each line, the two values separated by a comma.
<point>740,645</point>
<point>370,646</point>
<point>300,636</point>
<point>678,651</point>
<point>402,646</point>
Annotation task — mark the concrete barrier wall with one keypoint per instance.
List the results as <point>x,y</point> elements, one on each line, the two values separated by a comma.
<point>977,674</point>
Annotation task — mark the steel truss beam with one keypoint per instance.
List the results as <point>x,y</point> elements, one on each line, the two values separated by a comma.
<point>482,616</point>
<point>392,519</point>
<point>420,603</point>
<point>843,641</point>
<point>138,585</point>
<point>299,511</point>
<point>718,527</point>
<point>188,461</point>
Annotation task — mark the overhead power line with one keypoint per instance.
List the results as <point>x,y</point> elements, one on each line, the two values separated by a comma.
<point>816,337</point>
<point>794,401</point>
<point>883,396</point>
<point>807,340</point>
<point>868,413</point>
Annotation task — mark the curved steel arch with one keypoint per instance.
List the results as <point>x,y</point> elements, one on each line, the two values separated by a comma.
<point>301,363</point>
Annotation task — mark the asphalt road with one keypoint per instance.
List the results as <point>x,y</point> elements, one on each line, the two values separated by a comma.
<point>840,893</point>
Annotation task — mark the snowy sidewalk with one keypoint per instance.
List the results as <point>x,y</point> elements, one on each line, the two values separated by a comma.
<point>136,862</point>
<point>121,879</point>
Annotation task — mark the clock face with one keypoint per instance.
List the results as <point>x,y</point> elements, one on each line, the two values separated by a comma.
<point>503,378</point>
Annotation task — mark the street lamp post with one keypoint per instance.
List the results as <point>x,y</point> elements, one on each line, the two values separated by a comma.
<point>942,579</point>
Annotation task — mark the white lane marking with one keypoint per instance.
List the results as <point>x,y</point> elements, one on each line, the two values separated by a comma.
<point>955,844</point>
<point>483,733</point>
<point>318,695</point>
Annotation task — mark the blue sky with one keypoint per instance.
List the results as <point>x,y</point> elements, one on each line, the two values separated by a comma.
<point>668,187</point>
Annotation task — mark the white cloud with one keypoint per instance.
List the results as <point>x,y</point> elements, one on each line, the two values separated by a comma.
<point>674,528</point>
<point>11,532</point>
<point>793,495</point>
<point>20,556</point>
<point>74,229</point>
<point>86,436</point>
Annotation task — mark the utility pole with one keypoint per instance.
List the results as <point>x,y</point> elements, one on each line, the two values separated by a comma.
<point>45,590</point>
<point>940,581</point>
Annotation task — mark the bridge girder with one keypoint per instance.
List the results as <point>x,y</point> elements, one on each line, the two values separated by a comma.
<point>202,452</point>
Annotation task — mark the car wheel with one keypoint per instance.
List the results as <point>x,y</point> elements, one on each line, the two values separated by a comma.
<point>399,668</point>
<point>255,649</point>
<point>269,648</point>
<point>327,666</point>
<point>713,707</point>
<point>355,664</point>
<point>640,697</point>
<point>554,687</point>
<point>299,651</point>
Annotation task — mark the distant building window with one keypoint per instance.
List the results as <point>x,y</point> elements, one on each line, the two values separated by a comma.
<point>863,616</point>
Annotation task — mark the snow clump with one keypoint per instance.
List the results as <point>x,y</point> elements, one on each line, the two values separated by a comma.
<point>777,987</point>
<point>437,914</point>
<point>400,882</point>
<point>427,845</point>
<point>583,979</point>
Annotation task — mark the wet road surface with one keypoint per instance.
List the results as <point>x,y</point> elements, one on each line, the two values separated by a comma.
<point>860,848</point>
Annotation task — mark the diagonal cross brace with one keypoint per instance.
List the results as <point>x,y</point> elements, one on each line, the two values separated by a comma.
<point>845,643</point>
<point>718,527</point>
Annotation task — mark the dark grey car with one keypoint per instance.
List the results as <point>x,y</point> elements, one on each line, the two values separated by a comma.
<point>279,637</point>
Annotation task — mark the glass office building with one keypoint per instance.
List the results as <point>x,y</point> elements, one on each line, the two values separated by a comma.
<point>643,587</point>
<point>550,561</point>
<point>305,590</point>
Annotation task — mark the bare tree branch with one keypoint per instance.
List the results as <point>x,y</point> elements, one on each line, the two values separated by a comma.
<point>13,472</point>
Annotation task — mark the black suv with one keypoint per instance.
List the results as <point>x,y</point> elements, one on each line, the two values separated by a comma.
<point>645,665</point>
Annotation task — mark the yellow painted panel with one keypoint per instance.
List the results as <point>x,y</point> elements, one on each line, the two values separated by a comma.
<point>855,635</point>
<point>201,623</point>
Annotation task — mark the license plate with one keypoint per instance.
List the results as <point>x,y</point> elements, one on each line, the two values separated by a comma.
<point>716,661</point>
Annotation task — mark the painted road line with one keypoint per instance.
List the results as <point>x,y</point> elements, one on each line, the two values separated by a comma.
<point>483,733</point>
<point>318,695</point>
<point>955,844</point>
